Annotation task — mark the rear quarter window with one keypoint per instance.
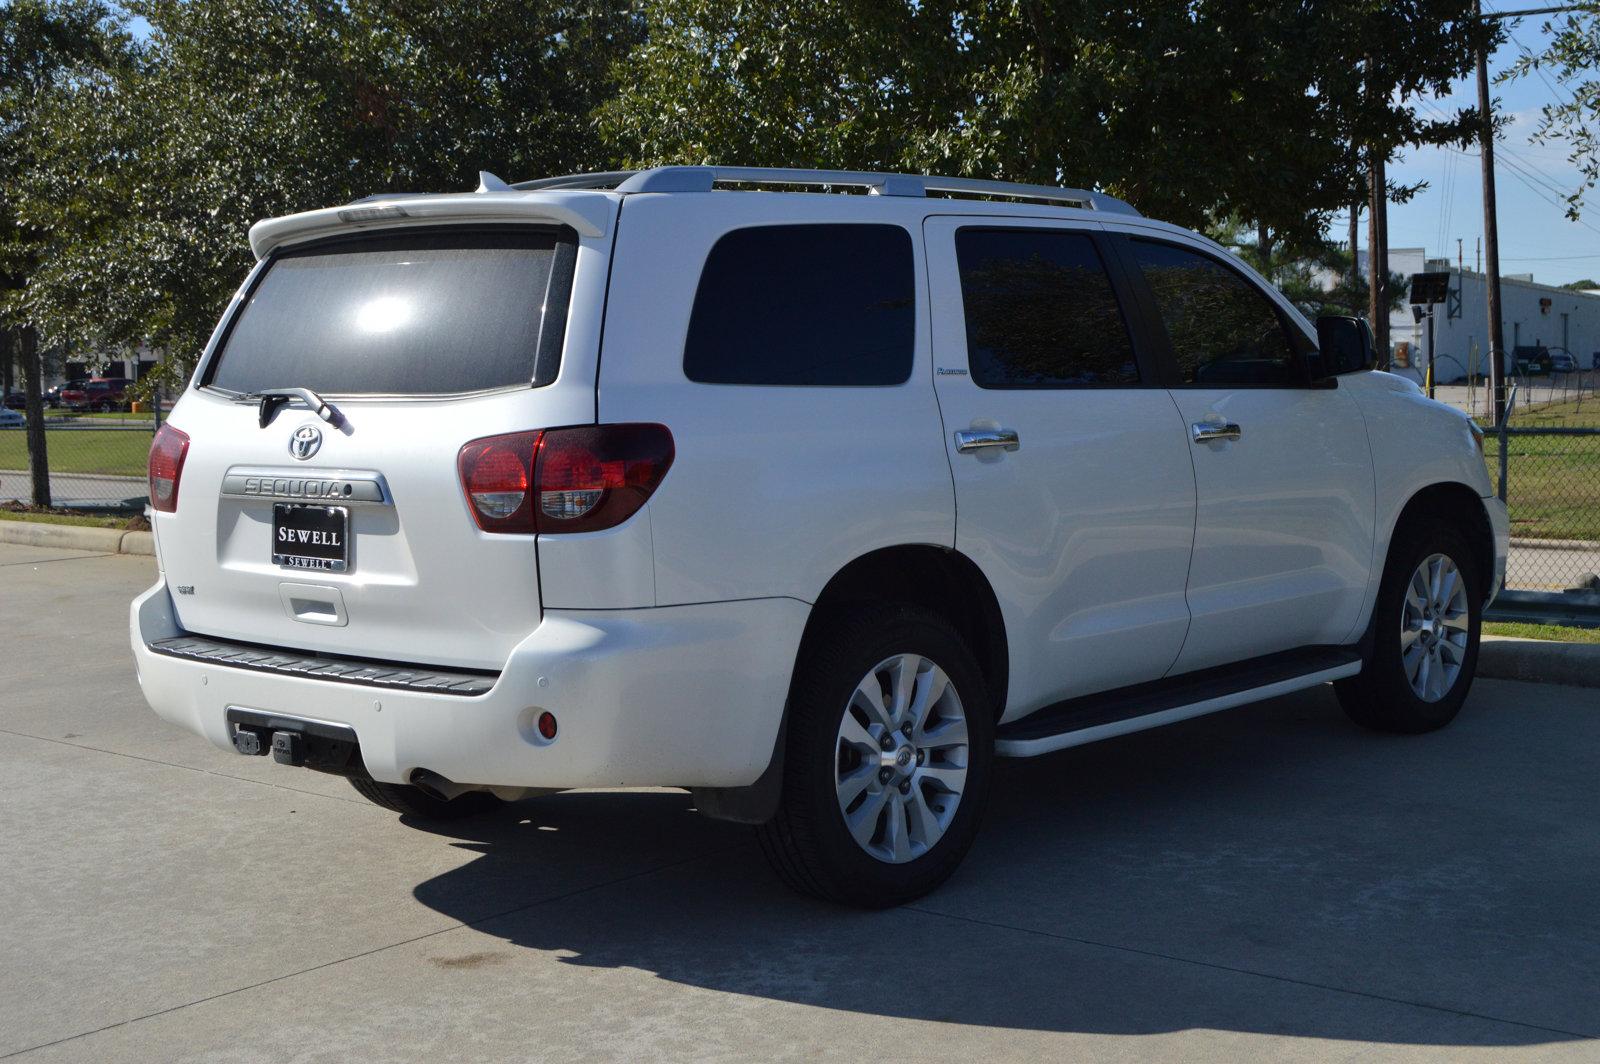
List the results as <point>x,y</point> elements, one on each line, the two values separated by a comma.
<point>805,305</point>
<point>411,312</point>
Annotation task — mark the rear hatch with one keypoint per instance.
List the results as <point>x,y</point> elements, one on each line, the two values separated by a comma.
<point>350,533</point>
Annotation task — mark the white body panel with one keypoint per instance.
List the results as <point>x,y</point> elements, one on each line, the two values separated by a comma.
<point>774,489</point>
<point>1283,537</point>
<point>1085,530</point>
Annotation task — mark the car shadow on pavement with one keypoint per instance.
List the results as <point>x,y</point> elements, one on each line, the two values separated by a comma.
<point>1271,870</point>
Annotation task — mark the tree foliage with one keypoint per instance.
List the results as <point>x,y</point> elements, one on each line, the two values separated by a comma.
<point>150,172</point>
<point>139,163</point>
<point>1189,110</point>
<point>1573,118</point>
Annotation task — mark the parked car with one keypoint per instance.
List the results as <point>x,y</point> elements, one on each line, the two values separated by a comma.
<point>52,396</point>
<point>856,494</point>
<point>101,393</point>
<point>1561,361</point>
<point>15,401</point>
<point>1532,360</point>
<point>10,419</point>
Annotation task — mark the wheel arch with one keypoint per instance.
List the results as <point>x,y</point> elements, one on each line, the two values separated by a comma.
<point>1461,505</point>
<point>936,578</point>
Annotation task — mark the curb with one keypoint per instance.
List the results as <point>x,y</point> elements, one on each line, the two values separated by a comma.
<point>77,537</point>
<point>1556,544</point>
<point>1539,661</point>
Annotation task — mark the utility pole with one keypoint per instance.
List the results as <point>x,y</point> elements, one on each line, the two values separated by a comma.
<point>1491,247</point>
<point>1355,233</point>
<point>1378,254</point>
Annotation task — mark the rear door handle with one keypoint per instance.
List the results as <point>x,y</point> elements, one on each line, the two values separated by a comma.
<point>969,440</point>
<point>1206,431</point>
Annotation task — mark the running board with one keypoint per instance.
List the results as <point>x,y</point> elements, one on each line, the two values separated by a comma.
<point>1150,705</point>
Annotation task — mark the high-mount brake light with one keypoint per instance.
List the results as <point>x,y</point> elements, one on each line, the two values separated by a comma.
<point>564,480</point>
<point>167,452</point>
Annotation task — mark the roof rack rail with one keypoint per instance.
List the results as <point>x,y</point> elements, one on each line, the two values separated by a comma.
<point>706,178</point>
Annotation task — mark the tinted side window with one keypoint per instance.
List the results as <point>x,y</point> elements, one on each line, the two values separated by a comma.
<point>1223,329</point>
<point>1040,311</point>
<point>805,304</point>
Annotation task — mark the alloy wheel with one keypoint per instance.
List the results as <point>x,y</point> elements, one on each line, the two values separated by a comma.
<point>901,758</point>
<point>1434,628</point>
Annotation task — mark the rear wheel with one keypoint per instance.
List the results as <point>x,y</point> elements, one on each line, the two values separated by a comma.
<point>415,802</point>
<point>1426,626</point>
<point>886,770</point>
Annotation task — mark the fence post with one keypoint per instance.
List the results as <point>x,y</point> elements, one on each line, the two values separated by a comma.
<point>38,460</point>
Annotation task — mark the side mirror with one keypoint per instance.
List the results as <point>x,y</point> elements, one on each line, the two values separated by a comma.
<point>1344,346</point>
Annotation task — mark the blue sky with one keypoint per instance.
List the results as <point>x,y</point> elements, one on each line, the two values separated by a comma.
<point>1535,236</point>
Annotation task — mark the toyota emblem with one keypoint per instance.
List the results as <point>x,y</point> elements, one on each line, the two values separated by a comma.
<point>305,442</point>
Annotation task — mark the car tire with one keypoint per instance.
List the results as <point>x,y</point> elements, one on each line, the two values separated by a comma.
<point>1424,644</point>
<point>415,802</point>
<point>907,839</point>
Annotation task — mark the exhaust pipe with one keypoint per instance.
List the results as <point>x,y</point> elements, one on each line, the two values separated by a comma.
<point>436,786</point>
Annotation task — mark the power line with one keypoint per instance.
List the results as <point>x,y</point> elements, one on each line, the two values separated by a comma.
<point>1547,258</point>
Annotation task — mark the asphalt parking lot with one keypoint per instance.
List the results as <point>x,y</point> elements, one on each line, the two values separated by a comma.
<point>1266,884</point>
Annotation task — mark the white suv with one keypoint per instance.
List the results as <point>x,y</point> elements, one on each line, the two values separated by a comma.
<point>813,503</point>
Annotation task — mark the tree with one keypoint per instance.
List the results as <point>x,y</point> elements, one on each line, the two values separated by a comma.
<point>1573,118</point>
<point>149,173</point>
<point>1190,111</point>
<point>43,43</point>
<point>1584,285</point>
<point>1319,279</point>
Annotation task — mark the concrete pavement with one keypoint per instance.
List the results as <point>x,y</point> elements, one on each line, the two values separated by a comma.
<point>78,489</point>
<point>1265,884</point>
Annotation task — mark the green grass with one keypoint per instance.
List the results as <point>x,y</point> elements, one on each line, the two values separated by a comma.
<point>1553,482</point>
<point>87,520</point>
<point>143,415</point>
<point>1556,632</point>
<point>111,451</point>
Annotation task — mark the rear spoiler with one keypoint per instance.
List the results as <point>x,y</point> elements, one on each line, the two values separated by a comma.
<point>589,213</point>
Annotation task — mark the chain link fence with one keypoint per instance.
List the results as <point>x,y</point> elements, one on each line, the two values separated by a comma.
<point>97,460</point>
<point>1551,481</point>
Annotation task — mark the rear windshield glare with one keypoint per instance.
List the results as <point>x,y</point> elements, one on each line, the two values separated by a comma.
<point>406,313</point>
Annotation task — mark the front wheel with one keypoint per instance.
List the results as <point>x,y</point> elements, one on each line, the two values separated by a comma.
<point>1426,625</point>
<point>887,762</point>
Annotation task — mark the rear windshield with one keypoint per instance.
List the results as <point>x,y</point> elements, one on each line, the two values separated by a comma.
<point>406,313</point>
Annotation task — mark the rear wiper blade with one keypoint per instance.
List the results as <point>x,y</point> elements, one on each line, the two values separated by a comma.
<point>273,398</point>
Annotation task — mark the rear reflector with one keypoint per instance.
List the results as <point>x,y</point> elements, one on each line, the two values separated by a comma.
<point>564,480</point>
<point>167,452</point>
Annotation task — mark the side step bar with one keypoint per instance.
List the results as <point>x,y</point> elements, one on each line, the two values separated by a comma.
<point>1149,705</point>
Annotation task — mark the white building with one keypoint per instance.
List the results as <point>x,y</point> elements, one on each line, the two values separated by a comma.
<point>1534,315</point>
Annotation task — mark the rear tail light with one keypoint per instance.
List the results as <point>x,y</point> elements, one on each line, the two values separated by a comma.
<point>167,452</point>
<point>497,474</point>
<point>564,480</point>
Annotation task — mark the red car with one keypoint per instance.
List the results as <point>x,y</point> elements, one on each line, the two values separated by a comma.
<point>101,393</point>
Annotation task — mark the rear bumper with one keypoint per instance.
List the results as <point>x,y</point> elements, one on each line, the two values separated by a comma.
<point>687,696</point>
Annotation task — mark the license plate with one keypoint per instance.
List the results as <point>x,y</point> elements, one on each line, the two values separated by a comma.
<point>311,537</point>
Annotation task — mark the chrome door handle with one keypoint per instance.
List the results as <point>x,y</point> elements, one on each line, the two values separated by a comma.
<point>1206,431</point>
<point>969,440</point>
